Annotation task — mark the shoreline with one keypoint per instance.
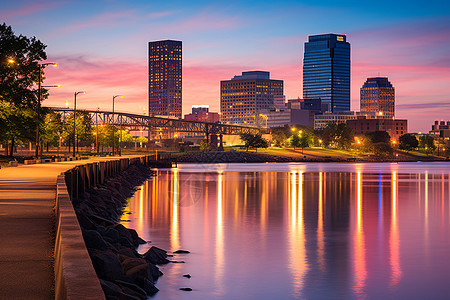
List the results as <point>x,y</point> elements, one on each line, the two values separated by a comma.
<point>121,270</point>
<point>254,157</point>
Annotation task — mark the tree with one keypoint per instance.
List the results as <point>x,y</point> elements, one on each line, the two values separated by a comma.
<point>83,128</point>
<point>335,135</point>
<point>280,135</point>
<point>379,137</point>
<point>51,128</point>
<point>426,143</point>
<point>294,141</point>
<point>408,142</point>
<point>254,141</point>
<point>16,125</point>
<point>379,143</point>
<point>19,69</point>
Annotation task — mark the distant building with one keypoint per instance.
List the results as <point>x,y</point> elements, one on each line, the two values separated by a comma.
<point>394,127</point>
<point>203,116</point>
<point>320,121</point>
<point>243,97</point>
<point>164,78</point>
<point>279,101</point>
<point>197,108</point>
<point>440,130</point>
<point>326,71</point>
<point>378,97</point>
<point>294,103</point>
<point>281,117</point>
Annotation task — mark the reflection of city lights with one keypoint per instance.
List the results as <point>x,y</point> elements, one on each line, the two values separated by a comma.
<point>320,234</point>
<point>219,236</point>
<point>174,229</point>
<point>298,260</point>
<point>359,244</point>
<point>394,236</point>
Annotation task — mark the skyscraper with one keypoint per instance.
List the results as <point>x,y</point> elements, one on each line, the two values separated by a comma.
<point>378,97</point>
<point>164,78</point>
<point>326,70</point>
<point>244,96</point>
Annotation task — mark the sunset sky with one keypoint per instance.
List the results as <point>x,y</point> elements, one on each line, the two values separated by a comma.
<point>101,47</point>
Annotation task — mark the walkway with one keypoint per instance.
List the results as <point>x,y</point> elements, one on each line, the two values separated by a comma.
<point>27,197</point>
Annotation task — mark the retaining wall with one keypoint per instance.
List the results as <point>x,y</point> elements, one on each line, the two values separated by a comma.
<point>75,277</point>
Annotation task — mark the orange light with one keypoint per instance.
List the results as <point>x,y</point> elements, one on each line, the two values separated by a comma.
<point>11,61</point>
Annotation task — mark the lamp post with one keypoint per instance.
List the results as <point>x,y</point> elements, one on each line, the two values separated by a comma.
<point>74,119</point>
<point>40,67</point>
<point>96,129</point>
<point>114,127</point>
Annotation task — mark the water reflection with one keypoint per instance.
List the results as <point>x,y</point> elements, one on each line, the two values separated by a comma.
<point>299,235</point>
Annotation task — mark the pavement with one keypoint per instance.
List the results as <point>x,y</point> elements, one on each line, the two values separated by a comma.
<point>27,198</point>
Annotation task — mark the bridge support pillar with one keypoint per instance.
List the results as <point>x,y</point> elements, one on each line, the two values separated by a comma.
<point>213,143</point>
<point>220,142</point>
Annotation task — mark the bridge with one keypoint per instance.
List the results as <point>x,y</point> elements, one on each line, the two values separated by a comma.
<point>168,126</point>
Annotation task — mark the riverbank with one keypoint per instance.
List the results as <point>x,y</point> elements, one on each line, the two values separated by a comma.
<point>289,155</point>
<point>122,271</point>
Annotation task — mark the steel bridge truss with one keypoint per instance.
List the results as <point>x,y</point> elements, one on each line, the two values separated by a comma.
<point>138,122</point>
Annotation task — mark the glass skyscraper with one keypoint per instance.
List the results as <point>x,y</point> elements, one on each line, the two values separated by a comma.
<point>164,78</point>
<point>378,97</point>
<point>326,70</point>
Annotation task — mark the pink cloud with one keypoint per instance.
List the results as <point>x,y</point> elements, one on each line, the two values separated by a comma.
<point>27,9</point>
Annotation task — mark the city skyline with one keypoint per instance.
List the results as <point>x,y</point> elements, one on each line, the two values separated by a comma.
<point>103,50</point>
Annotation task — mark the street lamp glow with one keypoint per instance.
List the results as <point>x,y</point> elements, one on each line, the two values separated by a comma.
<point>11,61</point>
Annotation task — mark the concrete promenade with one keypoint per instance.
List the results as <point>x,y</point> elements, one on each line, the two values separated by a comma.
<point>27,198</point>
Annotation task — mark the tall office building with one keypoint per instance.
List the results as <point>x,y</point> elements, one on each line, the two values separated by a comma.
<point>378,97</point>
<point>243,97</point>
<point>164,78</point>
<point>326,70</point>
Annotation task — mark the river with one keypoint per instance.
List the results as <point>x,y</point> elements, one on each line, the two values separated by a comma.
<point>299,231</point>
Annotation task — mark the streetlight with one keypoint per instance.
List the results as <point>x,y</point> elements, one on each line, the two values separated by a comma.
<point>114,127</point>
<point>74,118</point>
<point>96,129</point>
<point>40,67</point>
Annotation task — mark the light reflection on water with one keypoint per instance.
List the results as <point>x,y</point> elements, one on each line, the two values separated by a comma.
<point>298,231</point>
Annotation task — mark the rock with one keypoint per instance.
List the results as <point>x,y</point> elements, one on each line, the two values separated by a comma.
<point>110,288</point>
<point>107,265</point>
<point>181,251</point>
<point>94,240</point>
<point>109,234</point>
<point>155,272</point>
<point>130,263</point>
<point>127,252</point>
<point>156,256</point>
<point>147,285</point>
<point>139,271</point>
<point>141,241</point>
<point>186,289</point>
<point>132,289</point>
<point>187,275</point>
<point>85,222</point>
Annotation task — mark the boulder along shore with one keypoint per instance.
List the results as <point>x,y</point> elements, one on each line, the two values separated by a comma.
<point>122,271</point>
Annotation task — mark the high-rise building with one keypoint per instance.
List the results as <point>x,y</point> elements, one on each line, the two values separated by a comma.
<point>326,70</point>
<point>164,78</point>
<point>378,97</point>
<point>243,97</point>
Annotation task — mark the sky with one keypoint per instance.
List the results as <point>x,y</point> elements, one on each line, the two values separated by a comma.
<point>101,47</point>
